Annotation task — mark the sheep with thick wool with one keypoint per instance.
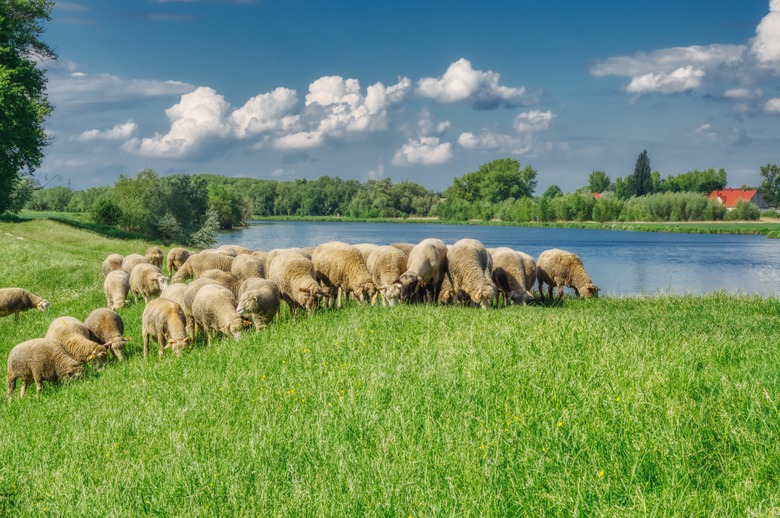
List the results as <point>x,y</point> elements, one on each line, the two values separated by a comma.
<point>116,286</point>
<point>77,340</point>
<point>189,297</point>
<point>509,275</point>
<point>146,280</point>
<point>426,265</point>
<point>560,268</point>
<point>39,360</point>
<point>386,264</point>
<point>154,255</point>
<point>15,300</point>
<point>259,299</point>
<point>163,320</point>
<point>226,279</point>
<point>214,311</point>
<point>111,263</point>
<point>470,267</point>
<point>176,258</point>
<point>340,268</point>
<point>198,263</point>
<point>246,266</point>
<point>131,261</point>
<point>294,274</point>
<point>107,328</point>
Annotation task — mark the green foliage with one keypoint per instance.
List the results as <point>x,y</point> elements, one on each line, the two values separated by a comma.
<point>671,206</point>
<point>494,182</point>
<point>607,208</point>
<point>744,210</point>
<point>695,181</point>
<point>232,208</point>
<point>598,181</point>
<point>54,198</point>
<point>770,185</point>
<point>641,183</point>
<point>105,211</point>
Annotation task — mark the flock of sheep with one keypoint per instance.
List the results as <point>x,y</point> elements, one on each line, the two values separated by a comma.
<point>232,284</point>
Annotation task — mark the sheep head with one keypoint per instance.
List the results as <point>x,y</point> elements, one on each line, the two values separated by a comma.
<point>365,292</point>
<point>177,346</point>
<point>161,281</point>
<point>391,292</point>
<point>233,327</point>
<point>42,305</point>
<point>99,354</point>
<point>485,296</point>
<point>409,284</point>
<point>74,371</point>
<point>589,290</point>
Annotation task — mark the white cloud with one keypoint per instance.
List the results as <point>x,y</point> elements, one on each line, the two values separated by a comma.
<point>378,173</point>
<point>423,151</point>
<point>524,142</point>
<point>707,57</point>
<point>266,112</point>
<point>533,121</point>
<point>461,83</point>
<point>772,105</point>
<point>705,132</point>
<point>680,80</point>
<point>766,45</point>
<point>427,126</point>
<point>118,132</point>
<point>300,140</point>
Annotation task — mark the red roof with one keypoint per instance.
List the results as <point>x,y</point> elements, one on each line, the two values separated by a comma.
<point>730,197</point>
<point>597,195</point>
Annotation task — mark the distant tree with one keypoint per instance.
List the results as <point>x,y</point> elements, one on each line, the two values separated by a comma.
<point>24,106</point>
<point>552,191</point>
<point>641,182</point>
<point>231,207</point>
<point>105,211</point>
<point>695,181</point>
<point>494,182</point>
<point>770,186</point>
<point>598,181</point>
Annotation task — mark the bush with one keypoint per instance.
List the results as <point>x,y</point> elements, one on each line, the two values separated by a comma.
<point>106,212</point>
<point>744,210</point>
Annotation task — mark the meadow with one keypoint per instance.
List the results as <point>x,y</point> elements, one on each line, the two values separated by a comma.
<point>661,406</point>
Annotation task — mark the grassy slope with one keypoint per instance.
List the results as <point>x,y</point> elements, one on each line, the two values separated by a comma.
<point>612,406</point>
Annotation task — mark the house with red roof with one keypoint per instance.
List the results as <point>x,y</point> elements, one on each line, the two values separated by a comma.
<point>729,197</point>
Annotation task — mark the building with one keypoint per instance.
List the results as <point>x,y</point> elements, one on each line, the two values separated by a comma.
<point>729,197</point>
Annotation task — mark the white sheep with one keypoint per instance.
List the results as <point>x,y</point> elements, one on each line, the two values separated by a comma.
<point>175,292</point>
<point>426,266</point>
<point>509,275</point>
<point>386,264</point>
<point>236,249</point>
<point>214,311</point>
<point>365,249</point>
<point>406,248</point>
<point>246,266</point>
<point>155,256</point>
<point>340,267</point>
<point>226,279</point>
<point>130,262</point>
<point>470,269</point>
<point>111,263</point>
<point>198,263</point>
<point>147,280</point>
<point>258,299</point>
<point>107,328</point>
<point>176,257</point>
<point>294,274</point>
<point>189,297</point>
<point>276,251</point>
<point>116,286</point>
<point>77,340</point>
<point>163,320</point>
<point>561,268</point>
<point>15,300</point>
<point>39,360</point>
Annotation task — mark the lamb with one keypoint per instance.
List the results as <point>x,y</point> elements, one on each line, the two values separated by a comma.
<point>176,257</point>
<point>15,300</point>
<point>294,274</point>
<point>163,320</point>
<point>198,263</point>
<point>130,262</point>
<point>258,298</point>
<point>469,266</point>
<point>39,360</point>
<point>147,280</point>
<point>426,266</point>
<point>246,266</point>
<point>155,256</point>
<point>77,341</point>
<point>189,298</point>
<point>112,262</point>
<point>561,268</point>
<point>214,311</point>
<point>107,328</point>
<point>386,264</point>
<point>116,287</point>
<point>341,267</point>
<point>509,275</point>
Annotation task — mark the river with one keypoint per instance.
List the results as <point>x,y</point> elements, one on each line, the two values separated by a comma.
<point>621,263</point>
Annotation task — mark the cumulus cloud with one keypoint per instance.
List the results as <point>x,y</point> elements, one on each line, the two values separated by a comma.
<point>523,142</point>
<point>772,105</point>
<point>707,57</point>
<point>423,151</point>
<point>118,132</point>
<point>461,83</point>
<point>766,45</point>
<point>680,80</point>
<point>427,126</point>
<point>266,112</point>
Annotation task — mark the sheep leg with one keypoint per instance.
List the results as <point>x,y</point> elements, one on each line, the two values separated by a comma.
<point>160,345</point>
<point>146,345</point>
<point>560,291</point>
<point>38,384</point>
<point>11,382</point>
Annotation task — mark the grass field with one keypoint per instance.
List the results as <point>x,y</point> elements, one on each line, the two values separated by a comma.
<point>612,407</point>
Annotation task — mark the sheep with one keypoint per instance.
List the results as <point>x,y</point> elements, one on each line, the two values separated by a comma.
<point>39,360</point>
<point>245,266</point>
<point>260,299</point>
<point>226,279</point>
<point>214,311</point>
<point>404,247</point>
<point>224,251</point>
<point>176,257</point>
<point>198,263</point>
<point>15,300</point>
<point>147,280</point>
<point>426,266</point>
<point>107,327</point>
<point>366,249</point>
<point>561,268</point>
<point>77,340</point>
<point>164,321</point>
<point>470,269</point>
<point>175,292</point>
<point>130,261</point>
<point>294,274</point>
<point>236,249</point>
<point>509,275</point>
<point>155,256</point>
<point>341,267</point>
<point>189,298</point>
<point>263,257</point>
<point>386,264</point>
<point>116,287</point>
<point>111,263</point>
<point>530,269</point>
<point>276,251</point>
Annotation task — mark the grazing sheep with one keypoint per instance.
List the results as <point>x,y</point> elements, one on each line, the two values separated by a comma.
<point>236,249</point>
<point>130,262</point>
<point>189,298</point>
<point>469,266</point>
<point>246,266</point>
<point>77,340</point>
<point>198,263</point>
<point>226,279</point>
<point>214,311</point>
<point>111,263</point>
<point>39,360</point>
<point>107,328</point>
<point>163,320</point>
<point>530,269</point>
<point>225,251</point>
<point>386,264</point>
<point>259,299</point>
<point>340,267</point>
<point>509,275</point>
<point>366,249</point>
<point>263,257</point>
<point>294,274</point>
<point>404,247</point>
<point>154,255</point>
<point>116,286</point>
<point>426,266</point>
<point>147,280</point>
<point>176,257</point>
<point>561,268</point>
<point>15,300</point>
<point>276,251</point>
<point>175,292</point>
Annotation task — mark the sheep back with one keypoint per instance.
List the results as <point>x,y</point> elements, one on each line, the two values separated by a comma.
<point>116,286</point>
<point>155,256</point>
<point>163,320</point>
<point>560,268</point>
<point>111,263</point>
<point>147,280</point>
<point>38,360</point>
<point>77,340</point>
<point>107,327</point>
<point>246,266</point>
<point>386,264</point>
<point>469,265</point>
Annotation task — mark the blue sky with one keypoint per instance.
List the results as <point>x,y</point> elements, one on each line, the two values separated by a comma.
<point>424,91</point>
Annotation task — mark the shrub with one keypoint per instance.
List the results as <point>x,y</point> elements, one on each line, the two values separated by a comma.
<point>106,212</point>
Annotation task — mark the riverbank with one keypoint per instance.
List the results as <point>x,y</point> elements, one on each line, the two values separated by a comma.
<point>664,405</point>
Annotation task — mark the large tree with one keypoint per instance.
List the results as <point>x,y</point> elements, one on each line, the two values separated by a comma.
<point>598,181</point>
<point>770,186</point>
<point>494,182</point>
<point>641,182</point>
<point>23,102</point>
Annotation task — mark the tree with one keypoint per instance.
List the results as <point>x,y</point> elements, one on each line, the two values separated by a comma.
<point>598,181</point>
<point>494,182</point>
<point>641,182</point>
<point>23,103</point>
<point>770,186</point>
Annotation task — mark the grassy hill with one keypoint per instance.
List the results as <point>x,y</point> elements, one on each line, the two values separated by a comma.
<point>615,406</point>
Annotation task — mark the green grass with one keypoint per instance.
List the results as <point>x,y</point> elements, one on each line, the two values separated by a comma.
<point>615,406</point>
